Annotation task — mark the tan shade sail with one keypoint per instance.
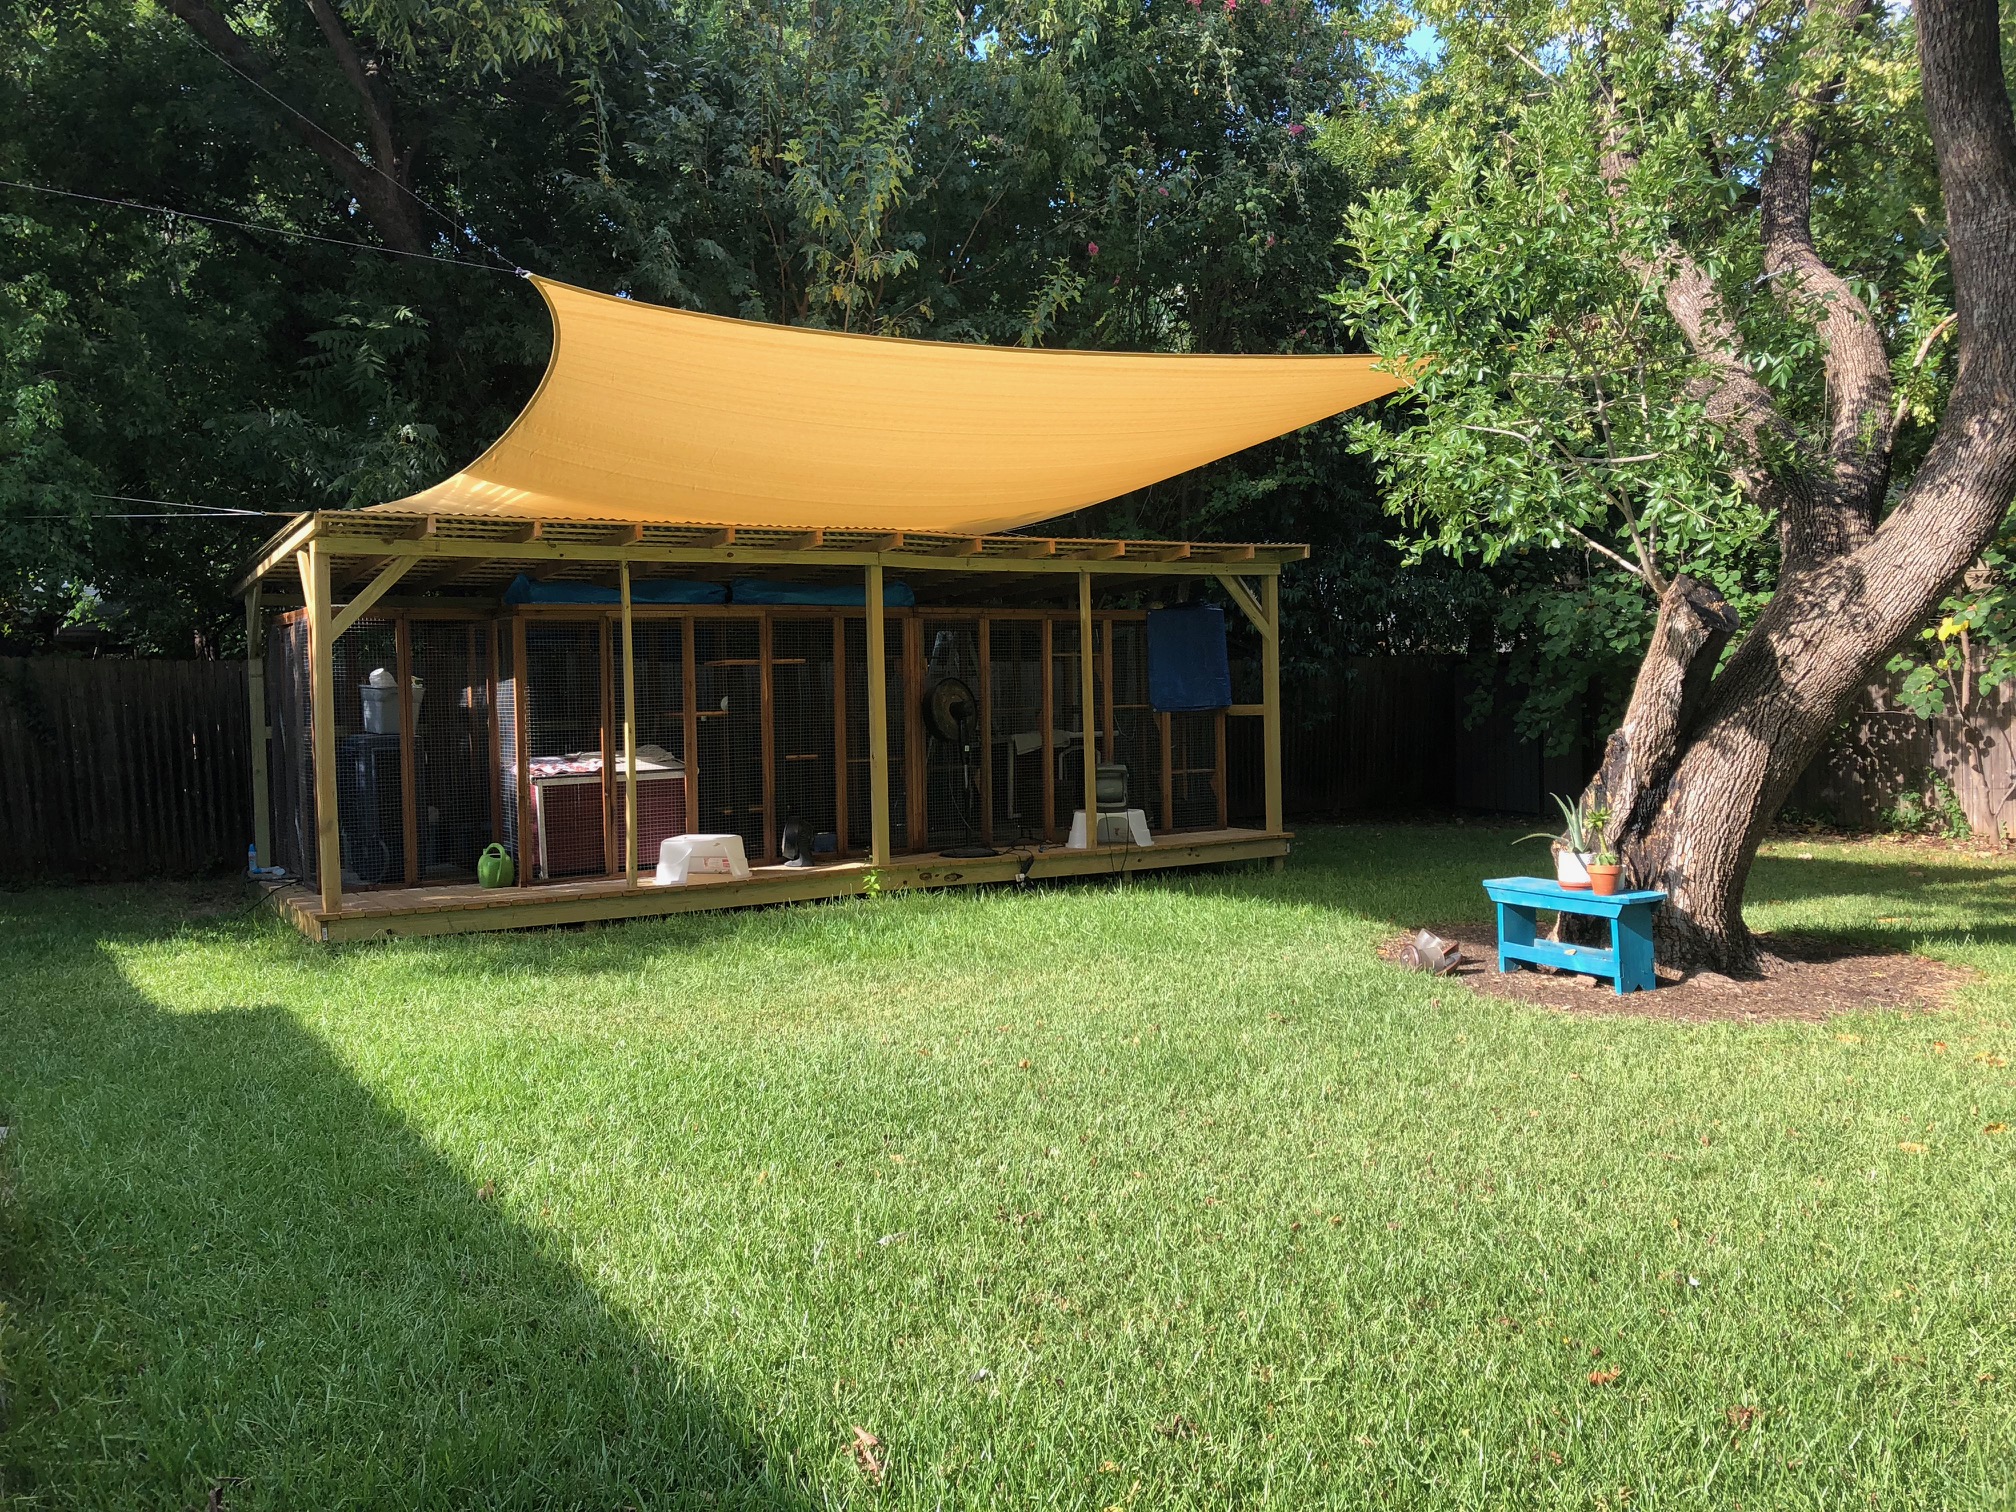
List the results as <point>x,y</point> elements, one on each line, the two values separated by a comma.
<point>657,415</point>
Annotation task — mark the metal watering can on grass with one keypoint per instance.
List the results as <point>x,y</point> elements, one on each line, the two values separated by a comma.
<point>494,868</point>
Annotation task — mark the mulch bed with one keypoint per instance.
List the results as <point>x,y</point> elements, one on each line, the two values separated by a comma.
<point>1805,980</point>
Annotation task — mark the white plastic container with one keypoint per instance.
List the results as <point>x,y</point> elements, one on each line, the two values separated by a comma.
<point>381,703</point>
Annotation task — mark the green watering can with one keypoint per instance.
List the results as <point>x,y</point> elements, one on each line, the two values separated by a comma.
<point>494,868</point>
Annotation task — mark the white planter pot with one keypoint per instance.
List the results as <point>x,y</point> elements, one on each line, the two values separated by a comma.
<point>1571,868</point>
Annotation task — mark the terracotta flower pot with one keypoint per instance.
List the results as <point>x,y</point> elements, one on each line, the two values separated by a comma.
<point>1605,880</point>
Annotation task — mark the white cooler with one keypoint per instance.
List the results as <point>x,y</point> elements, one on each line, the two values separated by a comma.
<point>684,856</point>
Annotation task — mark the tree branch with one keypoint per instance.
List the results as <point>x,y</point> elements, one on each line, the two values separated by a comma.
<point>1831,518</point>
<point>383,199</point>
<point>366,85</point>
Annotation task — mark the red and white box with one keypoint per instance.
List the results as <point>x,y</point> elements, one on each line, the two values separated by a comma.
<point>567,809</point>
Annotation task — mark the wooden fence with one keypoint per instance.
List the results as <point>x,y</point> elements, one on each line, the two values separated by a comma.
<point>1885,753</point>
<point>121,769</point>
<point>117,769</point>
<point>1391,734</point>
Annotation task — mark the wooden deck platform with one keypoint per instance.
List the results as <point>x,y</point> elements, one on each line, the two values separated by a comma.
<point>464,908</point>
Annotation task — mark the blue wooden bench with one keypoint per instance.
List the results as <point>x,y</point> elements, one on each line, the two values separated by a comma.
<point>1628,961</point>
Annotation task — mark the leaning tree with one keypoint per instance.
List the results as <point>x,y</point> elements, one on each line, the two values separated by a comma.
<point>1696,295</point>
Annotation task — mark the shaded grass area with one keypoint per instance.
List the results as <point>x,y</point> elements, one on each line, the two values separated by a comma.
<point>1159,1195</point>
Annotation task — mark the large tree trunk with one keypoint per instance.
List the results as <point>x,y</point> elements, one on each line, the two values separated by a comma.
<point>1705,756</point>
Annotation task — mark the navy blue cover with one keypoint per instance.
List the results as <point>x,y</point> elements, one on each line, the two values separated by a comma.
<point>642,591</point>
<point>828,595</point>
<point>1187,665</point>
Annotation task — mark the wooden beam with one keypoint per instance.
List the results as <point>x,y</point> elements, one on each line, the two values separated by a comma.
<point>1250,606</point>
<point>1035,549</point>
<point>1103,551</point>
<point>304,565</point>
<point>532,530</point>
<point>629,735</point>
<point>1178,551</point>
<point>292,539</point>
<point>255,688</point>
<point>630,535</point>
<point>891,542</point>
<point>372,591</point>
<point>322,742</point>
<point>724,536</point>
<point>1087,714</point>
<point>521,755</point>
<point>805,540</point>
<point>1270,682</point>
<point>1233,553</point>
<point>972,546</point>
<point>416,530</point>
<point>878,721</point>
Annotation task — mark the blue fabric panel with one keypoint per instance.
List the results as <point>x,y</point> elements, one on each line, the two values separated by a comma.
<point>642,591</point>
<point>827,595</point>
<point>1187,665</point>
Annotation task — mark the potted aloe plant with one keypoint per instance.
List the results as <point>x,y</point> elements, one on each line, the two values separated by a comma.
<point>1575,847</point>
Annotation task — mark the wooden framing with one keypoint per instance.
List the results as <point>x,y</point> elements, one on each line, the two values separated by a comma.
<point>1088,712</point>
<point>365,555</point>
<point>877,658</point>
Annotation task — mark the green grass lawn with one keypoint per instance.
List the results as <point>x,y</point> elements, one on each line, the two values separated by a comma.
<point>1164,1195</point>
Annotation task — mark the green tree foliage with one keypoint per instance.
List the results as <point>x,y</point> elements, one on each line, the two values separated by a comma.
<point>1543,168</point>
<point>1096,173</point>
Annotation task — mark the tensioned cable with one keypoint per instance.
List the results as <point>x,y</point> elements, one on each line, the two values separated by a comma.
<point>222,220</point>
<point>460,227</point>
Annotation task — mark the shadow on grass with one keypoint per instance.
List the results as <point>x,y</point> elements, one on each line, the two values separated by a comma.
<point>230,1266</point>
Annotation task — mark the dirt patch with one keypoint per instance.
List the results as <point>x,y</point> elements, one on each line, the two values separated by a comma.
<point>1805,980</point>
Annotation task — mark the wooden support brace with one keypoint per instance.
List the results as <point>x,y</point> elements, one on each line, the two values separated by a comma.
<point>629,735</point>
<point>878,720</point>
<point>1250,606</point>
<point>372,592</point>
<point>1036,549</point>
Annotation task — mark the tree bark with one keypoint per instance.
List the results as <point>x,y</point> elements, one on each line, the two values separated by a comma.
<point>1701,764</point>
<point>377,184</point>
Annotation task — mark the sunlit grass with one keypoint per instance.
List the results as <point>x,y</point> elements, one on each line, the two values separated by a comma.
<point>1163,1195</point>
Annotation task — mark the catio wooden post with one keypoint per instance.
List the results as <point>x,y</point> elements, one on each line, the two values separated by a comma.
<point>629,735</point>
<point>878,722</point>
<point>1087,745</point>
<point>255,687</point>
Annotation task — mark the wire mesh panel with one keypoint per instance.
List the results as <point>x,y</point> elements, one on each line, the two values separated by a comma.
<point>510,729</point>
<point>858,755</point>
<point>952,734</point>
<point>1015,669</point>
<point>454,780</point>
<point>728,688</point>
<point>290,757</point>
<point>663,777</point>
<point>1194,770</point>
<point>1135,736</point>
<point>567,740</point>
<point>1071,728</point>
<point>802,728</point>
<point>370,810</point>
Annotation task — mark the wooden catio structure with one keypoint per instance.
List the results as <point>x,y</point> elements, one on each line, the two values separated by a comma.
<point>628,621</point>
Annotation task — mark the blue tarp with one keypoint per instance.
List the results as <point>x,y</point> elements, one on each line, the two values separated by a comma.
<point>642,591</point>
<point>828,595</point>
<point>1187,665</point>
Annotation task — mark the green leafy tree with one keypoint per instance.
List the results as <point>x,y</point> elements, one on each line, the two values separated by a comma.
<point>1698,294</point>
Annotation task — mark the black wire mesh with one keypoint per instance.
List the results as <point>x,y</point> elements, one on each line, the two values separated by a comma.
<point>370,806</point>
<point>665,780</point>
<point>1194,770</point>
<point>290,764</point>
<point>454,791</point>
<point>803,727</point>
<point>728,683</point>
<point>858,756</point>
<point>569,745</point>
<point>1136,740</point>
<point>1015,668</point>
<point>952,754</point>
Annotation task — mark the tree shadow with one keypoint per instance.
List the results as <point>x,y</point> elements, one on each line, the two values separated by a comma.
<point>232,1267</point>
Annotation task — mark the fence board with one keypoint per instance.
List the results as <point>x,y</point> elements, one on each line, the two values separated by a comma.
<point>1884,752</point>
<point>122,768</point>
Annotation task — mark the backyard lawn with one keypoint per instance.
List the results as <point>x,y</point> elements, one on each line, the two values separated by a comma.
<point>1163,1195</point>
